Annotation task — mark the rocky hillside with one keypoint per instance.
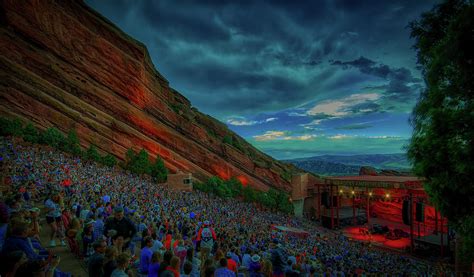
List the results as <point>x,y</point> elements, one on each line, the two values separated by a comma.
<point>62,64</point>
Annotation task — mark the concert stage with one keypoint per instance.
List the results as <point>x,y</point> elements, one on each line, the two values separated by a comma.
<point>360,233</point>
<point>392,212</point>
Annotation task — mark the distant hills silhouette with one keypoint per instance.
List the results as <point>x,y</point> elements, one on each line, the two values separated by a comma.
<point>351,164</point>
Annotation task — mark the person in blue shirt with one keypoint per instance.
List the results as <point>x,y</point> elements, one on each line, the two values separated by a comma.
<point>154,266</point>
<point>98,227</point>
<point>19,241</point>
<point>106,198</point>
<point>145,256</point>
<point>223,271</point>
<point>246,258</point>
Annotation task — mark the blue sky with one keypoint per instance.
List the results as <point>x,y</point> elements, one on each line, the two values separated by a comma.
<point>294,78</point>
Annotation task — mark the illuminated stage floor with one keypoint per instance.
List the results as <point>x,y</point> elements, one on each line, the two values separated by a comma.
<point>380,240</point>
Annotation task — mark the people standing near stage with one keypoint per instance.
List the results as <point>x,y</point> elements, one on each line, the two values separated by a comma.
<point>122,225</point>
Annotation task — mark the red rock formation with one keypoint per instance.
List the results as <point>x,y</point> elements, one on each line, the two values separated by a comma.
<point>62,64</point>
<point>368,170</point>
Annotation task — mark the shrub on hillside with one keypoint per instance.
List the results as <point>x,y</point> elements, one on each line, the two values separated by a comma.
<point>92,154</point>
<point>72,144</point>
<point>159,171</point>
<point>31,134</point>
<point>52,137</point>
<point>140,164</point>
<point>11,127</point>
<point>109,160</point>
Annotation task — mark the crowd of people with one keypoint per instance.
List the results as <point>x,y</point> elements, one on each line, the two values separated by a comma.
<point>125,225</point>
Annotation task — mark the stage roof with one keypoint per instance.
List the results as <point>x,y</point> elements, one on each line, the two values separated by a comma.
<point>403,182</point>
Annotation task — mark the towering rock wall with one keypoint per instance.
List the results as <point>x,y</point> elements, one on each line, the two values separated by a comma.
<point>62,64</point>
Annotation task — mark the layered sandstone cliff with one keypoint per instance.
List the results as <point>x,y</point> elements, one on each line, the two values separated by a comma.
<point>64,65</point>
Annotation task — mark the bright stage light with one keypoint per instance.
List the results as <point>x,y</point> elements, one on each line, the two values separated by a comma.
<point>370,193</point>
<point>387,195</point>
<point>353,192</point>
<point>341,191</point>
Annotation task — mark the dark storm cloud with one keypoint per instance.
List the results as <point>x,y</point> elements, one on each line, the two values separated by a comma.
<point>235,57</point>
<point>193,23</point>
<point>366,66</point>
<point>401,87</point>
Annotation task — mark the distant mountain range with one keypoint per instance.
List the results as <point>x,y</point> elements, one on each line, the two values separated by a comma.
<point>350,165</point>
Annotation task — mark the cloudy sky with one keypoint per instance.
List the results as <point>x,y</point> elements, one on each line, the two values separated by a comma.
<point>294,78</point>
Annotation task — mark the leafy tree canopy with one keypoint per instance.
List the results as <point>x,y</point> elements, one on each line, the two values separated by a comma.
<point>52,137</point>
<point>159,171</point>
<point>31,134</point>
<point>442,148</point>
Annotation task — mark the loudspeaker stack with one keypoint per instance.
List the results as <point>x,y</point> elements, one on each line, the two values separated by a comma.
<point>406,212</point>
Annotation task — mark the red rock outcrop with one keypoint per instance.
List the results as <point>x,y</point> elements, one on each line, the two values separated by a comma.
<point>62,64</point>
<point>368,170</point>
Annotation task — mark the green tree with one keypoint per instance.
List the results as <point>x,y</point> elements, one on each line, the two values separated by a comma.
<point>204,187</point>
<point>198,186</point>
<point>159,171</point>
<point>4,122</point>
<point>92,154</point>
<point>143,162</point>
<point>284,203</point>
<point>442,147</point>
<point>262,198</point>
<point>249,194</point>
<point>53,137</point>
<point>138,163</point>
<point>227,139</point>
<point>129,157</point>
<point>230,140</point>
<point>30,133</point>
<point>214,185</point>
<point>272,201</point>
<point>235,186</point>
<point>109,160</point>
<point>236,143</point>
<point>13,127</point>
<point>286,175</point>
<point>72,144</point>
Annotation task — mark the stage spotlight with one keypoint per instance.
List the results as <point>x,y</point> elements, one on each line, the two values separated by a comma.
<point>353,192</point>
<point>370,193</point>
<point>387,195</point>
<point>341,191</point>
